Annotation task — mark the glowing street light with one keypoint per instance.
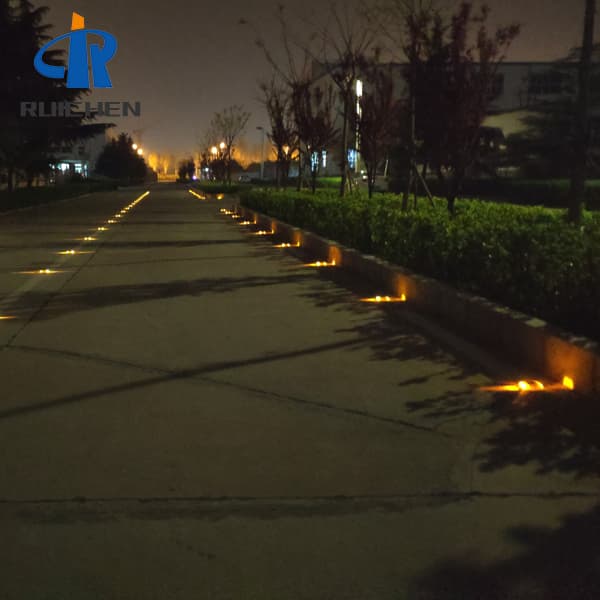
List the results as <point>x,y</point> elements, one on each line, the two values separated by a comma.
<point>214,151</point>
<point>140,152</point>
<point>222,145</point>
<point>135,146</point>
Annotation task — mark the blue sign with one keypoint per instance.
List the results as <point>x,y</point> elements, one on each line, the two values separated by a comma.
<point>80,62</point>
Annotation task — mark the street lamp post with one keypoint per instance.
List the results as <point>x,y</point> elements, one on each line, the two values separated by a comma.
<point>359,95</point>
<point>262,153</point>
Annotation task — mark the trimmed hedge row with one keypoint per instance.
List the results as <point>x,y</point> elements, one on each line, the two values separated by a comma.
<point>552,193</point>
<point>527,258</point>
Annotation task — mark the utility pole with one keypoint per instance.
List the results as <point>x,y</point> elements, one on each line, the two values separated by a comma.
<point>582,139</point>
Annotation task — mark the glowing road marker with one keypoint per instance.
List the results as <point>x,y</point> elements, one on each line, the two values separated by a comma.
<point>321,264</point>
<point>385,299</point>
<point>287,246</point>
<point>41,272</point>
<point>568,383</point>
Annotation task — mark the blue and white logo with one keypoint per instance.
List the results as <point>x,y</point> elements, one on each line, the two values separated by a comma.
<point>80,62</point>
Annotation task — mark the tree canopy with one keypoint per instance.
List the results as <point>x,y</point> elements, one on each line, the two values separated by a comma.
<point>27,144</point>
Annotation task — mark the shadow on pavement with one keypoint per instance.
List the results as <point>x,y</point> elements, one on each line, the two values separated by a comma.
<point>554,564</point>
<point>106,296</point>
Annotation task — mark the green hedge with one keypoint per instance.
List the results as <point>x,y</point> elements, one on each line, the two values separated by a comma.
<point>552,193</point>
<point>524,257</point>
<point>23,197</point>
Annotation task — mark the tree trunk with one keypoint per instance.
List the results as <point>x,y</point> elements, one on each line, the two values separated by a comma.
<point>313,181</point>
<point>11,176</point>
<point>577,190</point>
<point>344,157</point>
<point>411,133</point>
<point>300,167</point>
<point>451,204</point>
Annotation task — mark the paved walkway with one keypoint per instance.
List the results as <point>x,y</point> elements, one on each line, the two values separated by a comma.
<point>187,412</point>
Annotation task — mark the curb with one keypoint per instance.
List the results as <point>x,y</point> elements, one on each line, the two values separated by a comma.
<point>524,340</point>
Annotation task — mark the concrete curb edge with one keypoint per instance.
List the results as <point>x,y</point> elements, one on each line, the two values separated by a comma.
<point>525,340</point>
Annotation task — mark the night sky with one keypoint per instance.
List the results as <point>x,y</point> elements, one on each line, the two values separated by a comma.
<point>185,60</point>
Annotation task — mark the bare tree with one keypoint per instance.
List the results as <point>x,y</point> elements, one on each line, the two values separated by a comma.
<point>340,47</point>
<point>278,102</point>
<point>295,72</point>
<point>228,125</point>
<point>314,113</point>
<point>452,87</point>
<point>582,124</point>
<point>347,43</point>
<point>396,20</point>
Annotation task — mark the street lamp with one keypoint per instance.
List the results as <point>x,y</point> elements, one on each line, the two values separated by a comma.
<point>140,152</point>
<point>262,153</point>
<point>359,95</point>
<point>135,146</point>
<point>214,151</point>
<point>222,145</point>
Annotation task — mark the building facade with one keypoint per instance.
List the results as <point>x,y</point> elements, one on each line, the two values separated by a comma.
<point>519,87</point>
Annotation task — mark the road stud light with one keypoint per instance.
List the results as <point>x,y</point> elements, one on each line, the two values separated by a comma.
<point>321,264</point>
<point>385,299</point>
<point>523,386</point>
<point>41,272</point>
<point>568,383</point>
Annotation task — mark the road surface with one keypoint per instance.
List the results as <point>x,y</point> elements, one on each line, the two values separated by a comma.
<point>188,412</point>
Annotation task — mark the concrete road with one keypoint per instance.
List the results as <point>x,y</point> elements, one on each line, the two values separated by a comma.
<point>188,412</point>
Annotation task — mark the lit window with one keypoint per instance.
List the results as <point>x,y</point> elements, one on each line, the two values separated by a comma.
<point>314,161</point>
<point>352,155</point>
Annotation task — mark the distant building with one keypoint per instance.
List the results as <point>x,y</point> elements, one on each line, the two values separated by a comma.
<point>519,88</point>
<point>79,158</point>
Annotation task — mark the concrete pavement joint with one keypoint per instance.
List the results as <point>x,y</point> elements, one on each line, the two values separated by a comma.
<point>291,500</point>
<point>164,375</point>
